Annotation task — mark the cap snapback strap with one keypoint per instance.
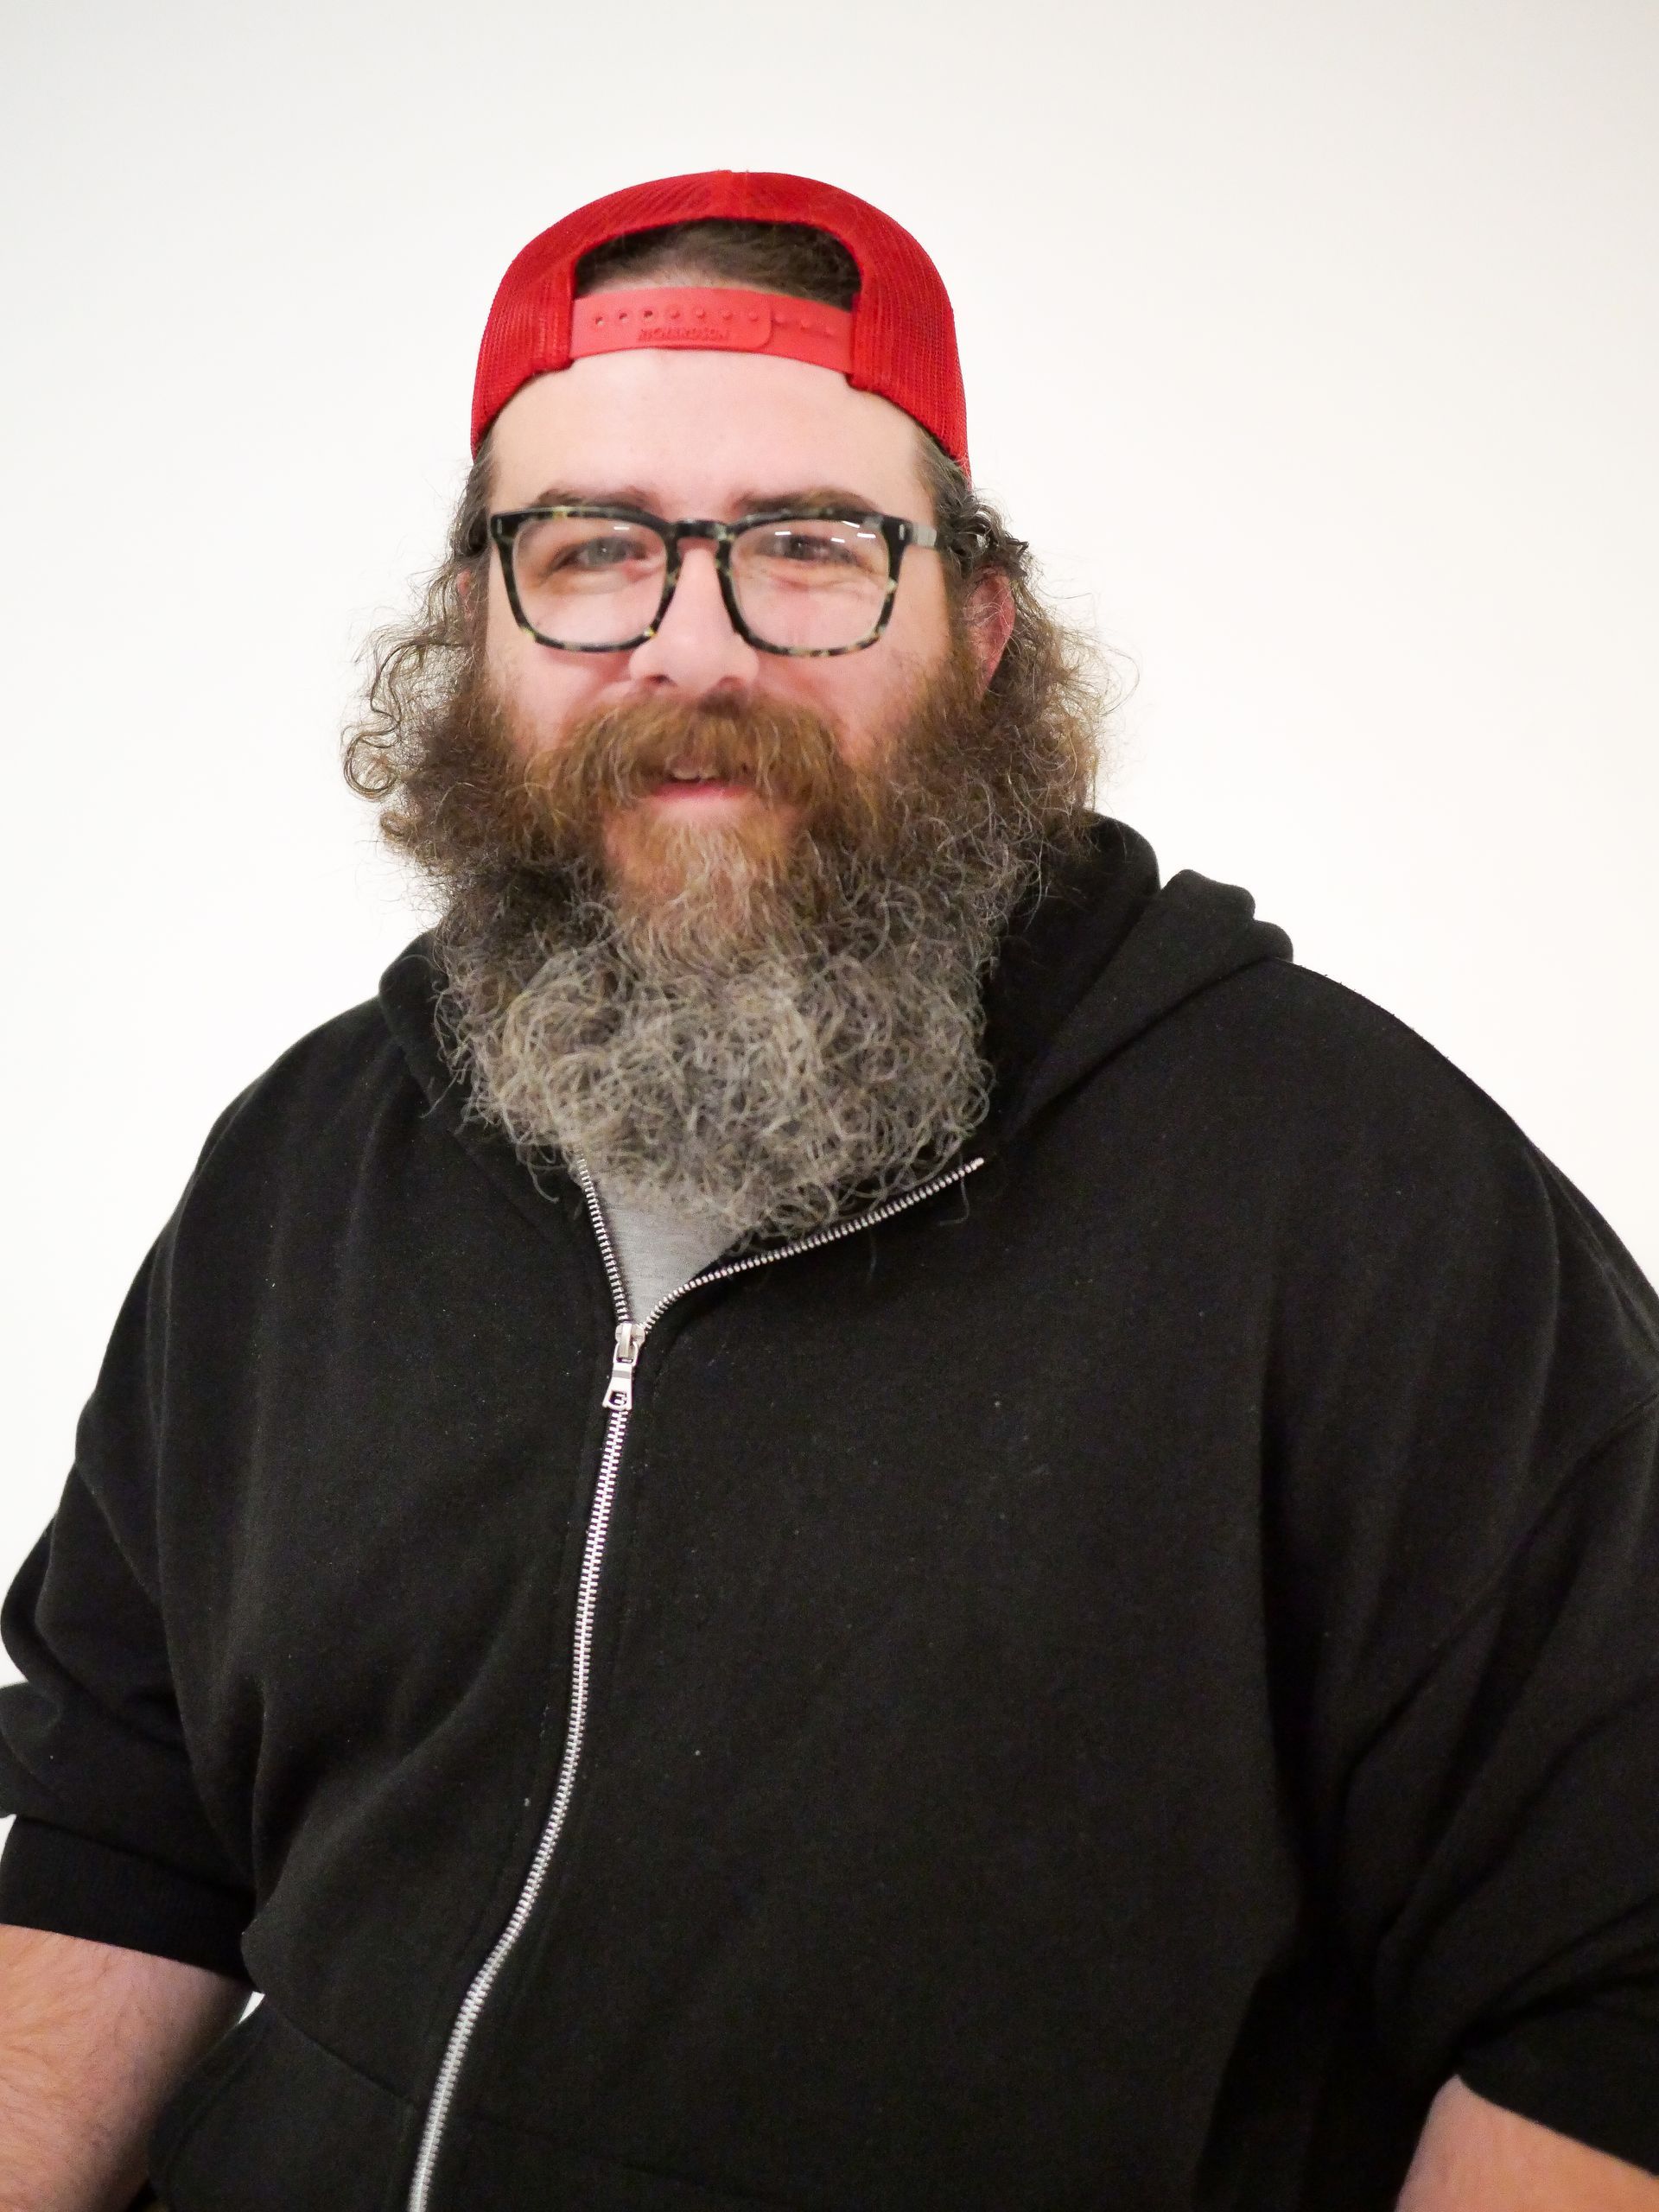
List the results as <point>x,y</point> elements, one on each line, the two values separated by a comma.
<point>710,319</point>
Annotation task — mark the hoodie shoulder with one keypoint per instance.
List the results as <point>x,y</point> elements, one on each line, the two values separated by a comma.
<point>1388,1142</point>
<point>1350,1056</point>
<point>1342,1078</point>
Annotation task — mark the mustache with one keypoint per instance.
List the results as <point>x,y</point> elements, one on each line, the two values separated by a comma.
<point>614,756</point>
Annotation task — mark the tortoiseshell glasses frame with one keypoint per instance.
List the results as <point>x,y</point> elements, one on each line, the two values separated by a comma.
<point>895,531</point>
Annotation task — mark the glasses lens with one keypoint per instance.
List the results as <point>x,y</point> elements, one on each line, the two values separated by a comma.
<point>817,581</point>
<point>588,579</point>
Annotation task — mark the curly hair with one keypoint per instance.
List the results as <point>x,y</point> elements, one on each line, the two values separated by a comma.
<point>1049,669</point>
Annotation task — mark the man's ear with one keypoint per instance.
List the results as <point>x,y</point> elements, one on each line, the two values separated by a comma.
<point>989,615</point>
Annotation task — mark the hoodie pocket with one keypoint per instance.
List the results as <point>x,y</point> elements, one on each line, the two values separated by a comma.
<point>272,2122</point>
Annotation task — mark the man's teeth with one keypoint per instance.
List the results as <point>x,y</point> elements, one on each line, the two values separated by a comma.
<point>696,776</point>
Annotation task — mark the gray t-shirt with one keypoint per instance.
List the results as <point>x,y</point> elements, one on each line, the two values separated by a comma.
<point>658,1246</point>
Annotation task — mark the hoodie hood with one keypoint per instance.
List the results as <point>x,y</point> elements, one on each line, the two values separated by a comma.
<point>1103,954</point>
<point>1098,956</point>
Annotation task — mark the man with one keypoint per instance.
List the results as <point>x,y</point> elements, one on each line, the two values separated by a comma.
<point>849,1508</point>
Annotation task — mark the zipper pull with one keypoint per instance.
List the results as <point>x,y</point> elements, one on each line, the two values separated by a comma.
<point>630,1335</point>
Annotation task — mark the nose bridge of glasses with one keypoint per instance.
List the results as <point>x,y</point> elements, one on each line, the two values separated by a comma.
<point>713,539</point>
<point>698,531</point>
<point>709,592</point>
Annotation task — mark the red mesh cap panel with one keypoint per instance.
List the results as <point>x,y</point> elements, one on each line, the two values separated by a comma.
<point>903,333</point>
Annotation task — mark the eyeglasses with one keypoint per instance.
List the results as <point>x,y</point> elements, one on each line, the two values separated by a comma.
<point>594,578</point>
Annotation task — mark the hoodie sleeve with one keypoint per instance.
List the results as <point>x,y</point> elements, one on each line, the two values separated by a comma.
<point>111,1839</point>
<point>1469,1441</point>
<point>1532,1943</point>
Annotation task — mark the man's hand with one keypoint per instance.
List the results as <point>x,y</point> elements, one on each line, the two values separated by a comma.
<point>1474,2157</point>
<point>94,2040</point>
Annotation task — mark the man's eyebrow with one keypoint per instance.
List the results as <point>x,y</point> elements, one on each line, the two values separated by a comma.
<point>810,495</point>
<point>798,496</point>
<point>610,495</point>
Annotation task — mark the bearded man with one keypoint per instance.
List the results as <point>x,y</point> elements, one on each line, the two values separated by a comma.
<point>851,1509</point>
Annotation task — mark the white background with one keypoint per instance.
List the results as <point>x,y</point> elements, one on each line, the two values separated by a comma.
<point>1313,344</point>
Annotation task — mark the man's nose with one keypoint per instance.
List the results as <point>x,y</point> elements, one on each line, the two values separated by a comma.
<point>696,648</point>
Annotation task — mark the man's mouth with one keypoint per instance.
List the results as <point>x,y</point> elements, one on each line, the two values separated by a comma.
<point>681,781</point>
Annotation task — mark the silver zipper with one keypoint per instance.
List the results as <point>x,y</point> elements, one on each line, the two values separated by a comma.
<point>618,1403</point>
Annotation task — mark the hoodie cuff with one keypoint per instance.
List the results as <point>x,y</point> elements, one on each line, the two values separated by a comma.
<point>1588,2074</point>
<point>69,1884</point>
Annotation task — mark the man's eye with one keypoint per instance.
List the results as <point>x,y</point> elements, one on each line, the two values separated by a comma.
<point>602,553</point>
<point>812,546</point>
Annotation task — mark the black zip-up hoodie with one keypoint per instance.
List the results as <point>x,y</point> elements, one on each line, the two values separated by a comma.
<point>1103,1689</point>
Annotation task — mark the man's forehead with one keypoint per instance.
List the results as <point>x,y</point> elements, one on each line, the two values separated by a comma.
<point>735,431</point>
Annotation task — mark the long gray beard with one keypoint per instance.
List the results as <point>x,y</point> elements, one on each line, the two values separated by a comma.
<point>772,1080</point>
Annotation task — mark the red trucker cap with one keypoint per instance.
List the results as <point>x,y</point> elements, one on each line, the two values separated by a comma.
<point>898,339</point>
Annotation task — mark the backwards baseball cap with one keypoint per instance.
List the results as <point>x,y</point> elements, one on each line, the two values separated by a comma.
<point>899,338</point>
